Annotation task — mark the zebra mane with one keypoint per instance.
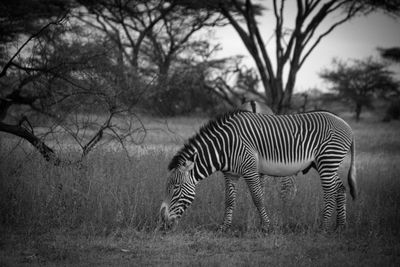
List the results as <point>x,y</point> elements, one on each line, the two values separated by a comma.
<point>187,150</point>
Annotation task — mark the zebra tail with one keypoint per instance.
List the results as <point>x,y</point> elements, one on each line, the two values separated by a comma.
<point>351,178</point>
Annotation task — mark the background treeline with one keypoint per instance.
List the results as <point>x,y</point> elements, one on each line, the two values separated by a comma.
<point>89,69</point>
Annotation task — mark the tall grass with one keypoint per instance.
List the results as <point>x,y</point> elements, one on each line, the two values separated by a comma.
<point>109,191</point>
<point>105,192</point>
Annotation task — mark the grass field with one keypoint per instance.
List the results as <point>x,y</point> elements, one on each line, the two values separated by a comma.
<point>105,210</point>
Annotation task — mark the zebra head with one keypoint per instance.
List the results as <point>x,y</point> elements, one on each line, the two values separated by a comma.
<point>180,193</point>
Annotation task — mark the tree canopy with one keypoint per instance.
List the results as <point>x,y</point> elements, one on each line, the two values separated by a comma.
<point>360,82</point>
<point>392,53</point>
<point>294,38</point>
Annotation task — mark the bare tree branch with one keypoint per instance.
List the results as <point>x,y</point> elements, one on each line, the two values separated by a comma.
<point>43,149</point>
<point>30,38</point>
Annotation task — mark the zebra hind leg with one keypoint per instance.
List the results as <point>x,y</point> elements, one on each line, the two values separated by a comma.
<point>329,187</point>
<point>340,205</point>
<point>256,190</point>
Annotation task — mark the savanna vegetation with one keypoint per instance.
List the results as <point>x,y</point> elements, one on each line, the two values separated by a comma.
<point>104,210</point>
<point>63,61</point>
<point>96,96</point>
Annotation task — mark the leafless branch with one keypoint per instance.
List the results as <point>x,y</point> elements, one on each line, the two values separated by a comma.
<point>30,38</point>
<point>43,149</point>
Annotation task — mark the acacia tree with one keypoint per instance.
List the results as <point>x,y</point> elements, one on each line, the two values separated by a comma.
<point>392,53</point>
<point>32,19</point>
<point>126,23</point>
<point>145,32</point>
<point>171,39</point>
<point>150,39</point>
<point>359,82</point>
<point>295,39</point>
<point>231,81</point>
<point>60,79</point>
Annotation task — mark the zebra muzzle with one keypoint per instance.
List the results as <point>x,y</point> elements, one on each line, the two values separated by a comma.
<point>168,223</point>
<point>164,214</point>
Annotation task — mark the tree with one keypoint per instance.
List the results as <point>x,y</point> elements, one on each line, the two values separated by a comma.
<point>63,80</point>
<point>126,23</point>
<point>22,17</point>
<point>145,32</point>
<point>232,81</point>
<point>359,82</point>
<point>18,18</point>
<point>185,91</point>
<point>393,110</point>
<point>149,37</point>
<point>295,40</point>
<point>392,53</point>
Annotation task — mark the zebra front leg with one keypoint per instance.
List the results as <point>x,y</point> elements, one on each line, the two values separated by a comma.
<point>288,188</point>
<point>254,183</point>
<point>230,200</point>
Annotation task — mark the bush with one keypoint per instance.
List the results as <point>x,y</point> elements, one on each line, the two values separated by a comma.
<point>183,92</point>
<point>393,111</point>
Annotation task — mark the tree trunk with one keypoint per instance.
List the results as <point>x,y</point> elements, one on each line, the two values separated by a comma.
<point>358,111</point>
<point>43,149</point>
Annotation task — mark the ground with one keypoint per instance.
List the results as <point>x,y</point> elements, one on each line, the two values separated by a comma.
<point>105,210</point>
<point>198,248</point>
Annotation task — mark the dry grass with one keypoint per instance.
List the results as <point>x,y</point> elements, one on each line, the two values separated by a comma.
<point>104,211</point>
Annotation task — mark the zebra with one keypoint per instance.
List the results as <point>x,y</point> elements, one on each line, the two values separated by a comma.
<point>245,144</point>
<point>288,187</point>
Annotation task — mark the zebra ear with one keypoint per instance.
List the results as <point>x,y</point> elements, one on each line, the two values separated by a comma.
<point>189,164</point>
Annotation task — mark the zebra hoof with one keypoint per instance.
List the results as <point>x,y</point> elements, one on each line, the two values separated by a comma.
<point>224,228</point>
<point>341,228</point>
<point>266,228</point>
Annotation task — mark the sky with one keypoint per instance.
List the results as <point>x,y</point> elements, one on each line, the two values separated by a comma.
<point>358,38</point>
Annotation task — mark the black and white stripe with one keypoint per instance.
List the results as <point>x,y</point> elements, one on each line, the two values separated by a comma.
<point>235,142</point>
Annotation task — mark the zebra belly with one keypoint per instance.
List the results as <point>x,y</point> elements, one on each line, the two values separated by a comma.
<point>274,168</point>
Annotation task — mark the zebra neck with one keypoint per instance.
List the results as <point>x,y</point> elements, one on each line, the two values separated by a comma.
<point>208,160</point>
